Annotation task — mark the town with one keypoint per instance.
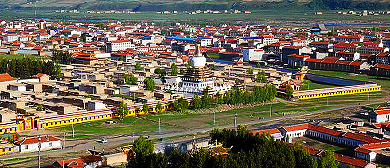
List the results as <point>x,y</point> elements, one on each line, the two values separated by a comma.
<point>60,81</point>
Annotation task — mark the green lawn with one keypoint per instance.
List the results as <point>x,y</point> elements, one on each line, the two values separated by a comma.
<point>310,85</point>
<point>383,81</point>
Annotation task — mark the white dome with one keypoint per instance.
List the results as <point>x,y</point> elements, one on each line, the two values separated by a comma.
<point>198,61</point>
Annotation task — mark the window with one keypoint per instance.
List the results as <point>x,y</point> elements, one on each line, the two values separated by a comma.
<point>26,147</point>
<point>51,144</point>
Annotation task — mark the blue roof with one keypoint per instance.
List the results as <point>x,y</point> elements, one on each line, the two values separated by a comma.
<point>246,38</point>
<point>203,37</point>
<point>181,38</point>
<point>146,37</point>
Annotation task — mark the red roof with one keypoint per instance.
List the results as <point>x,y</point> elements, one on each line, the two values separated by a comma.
<point>382,111</point>
<point>325,130</point>
<point>299,56</point>
<point>268,131</point>
<point>361,137</point>
<point>6,77</point>
<point>320,43</point>
<point>35,140</point>
<point>344,62</point>
<point>355,63</point>
<point>313,60</point>
<point>351,161</point>
<point>382,66</point>
<point>296,127</point>
<point>79,162</point>
<point>330,60</point>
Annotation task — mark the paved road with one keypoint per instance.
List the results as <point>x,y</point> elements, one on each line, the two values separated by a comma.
<point>75,145</point>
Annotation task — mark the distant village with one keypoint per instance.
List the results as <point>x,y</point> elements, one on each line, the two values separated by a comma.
<point>104,65</point>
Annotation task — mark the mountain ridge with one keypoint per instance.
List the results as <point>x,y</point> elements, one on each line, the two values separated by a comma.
<point>188,5</point>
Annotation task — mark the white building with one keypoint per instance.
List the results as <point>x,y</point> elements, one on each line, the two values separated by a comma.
<point>380,115</point>
<point>10,38</point>
<point>96,105</point>
<point>118,45</point>
<point>251,54</point>
<point>32,144</point>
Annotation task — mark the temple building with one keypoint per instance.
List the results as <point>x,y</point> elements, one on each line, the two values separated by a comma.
<point>198,77</point>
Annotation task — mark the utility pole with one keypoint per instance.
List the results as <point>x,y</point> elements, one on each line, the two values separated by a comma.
<point>214,118</point>
<point>327,101</point>
<point>39,151</point>
<point>270,110</point>
<point>63,147</point>
<point>72,130</point>
<point>159,126</point>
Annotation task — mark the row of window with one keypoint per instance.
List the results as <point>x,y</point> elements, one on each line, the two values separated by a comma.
<point>75,120</point>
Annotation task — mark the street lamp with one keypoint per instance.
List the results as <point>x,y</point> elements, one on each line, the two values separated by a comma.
<point>39,151</point>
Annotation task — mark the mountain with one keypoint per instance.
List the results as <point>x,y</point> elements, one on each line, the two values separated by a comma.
<point>189,5</point>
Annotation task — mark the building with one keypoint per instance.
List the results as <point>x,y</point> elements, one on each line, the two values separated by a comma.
<point>198,77</point>
<point>379,115</point>
<point>274,133</point>
<point>119,45</point>
<point>298,50</point>
<point>297,61</point>
<point>32,144</point>
<point>252,54</point>
<point>81,162</point>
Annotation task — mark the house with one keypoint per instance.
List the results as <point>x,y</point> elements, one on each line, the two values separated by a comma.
<point>297,61</point>
<point>81,162</point>
<point>6,148</point>
<point>252,54</point>
<point>369,151</point>
<point>32,144</point>
<point>274,133</point>
<point>380,115</point>
<point>345,161</point>
<point>294,131</point>
<point>5,80</point>
<point>114,159</point>
<point>42,77</point>
<point>298,50</point>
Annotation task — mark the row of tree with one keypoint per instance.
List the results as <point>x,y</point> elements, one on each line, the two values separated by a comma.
<point>247,150</point>
<point>27,67</point>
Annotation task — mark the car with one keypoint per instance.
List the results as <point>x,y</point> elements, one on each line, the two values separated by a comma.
<point>103,140</point>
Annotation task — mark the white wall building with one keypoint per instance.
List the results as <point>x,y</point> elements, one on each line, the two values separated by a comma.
<point>251,54</point>
<point>32,144</point>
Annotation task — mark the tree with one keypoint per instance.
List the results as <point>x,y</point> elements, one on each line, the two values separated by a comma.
<point>145,108</point>
<point>39,107</point>
<point>122,111</point>
<point>160,72</point>
<point>250,71</point>
<point>180,105</point>
<point>159,107</point>
<point>328,160</point>
<point>258,65</point>
<point>197,102</point>
<point>289,91</point>
<point>143,150</point>
<point>138,66</point>
<point>174,70</point>
<point>149,84</point>
<point>130,79</point>
<point>260,77</point>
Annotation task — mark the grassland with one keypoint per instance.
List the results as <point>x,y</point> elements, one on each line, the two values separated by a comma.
<point>309,85</point>
<point>383,81</point>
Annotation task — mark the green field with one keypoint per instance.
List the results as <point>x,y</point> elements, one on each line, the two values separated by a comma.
<point>310,85</point>
<point>289,17</point>
<point>383,81</point>
<point>173,122</point>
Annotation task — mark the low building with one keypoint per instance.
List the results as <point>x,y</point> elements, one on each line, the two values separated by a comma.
<point>81,162</point>
<point>274,133</point>
<point>379,115</point>
<point>32,144</point>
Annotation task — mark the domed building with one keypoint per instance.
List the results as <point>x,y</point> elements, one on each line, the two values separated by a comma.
<point>198,76</point>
